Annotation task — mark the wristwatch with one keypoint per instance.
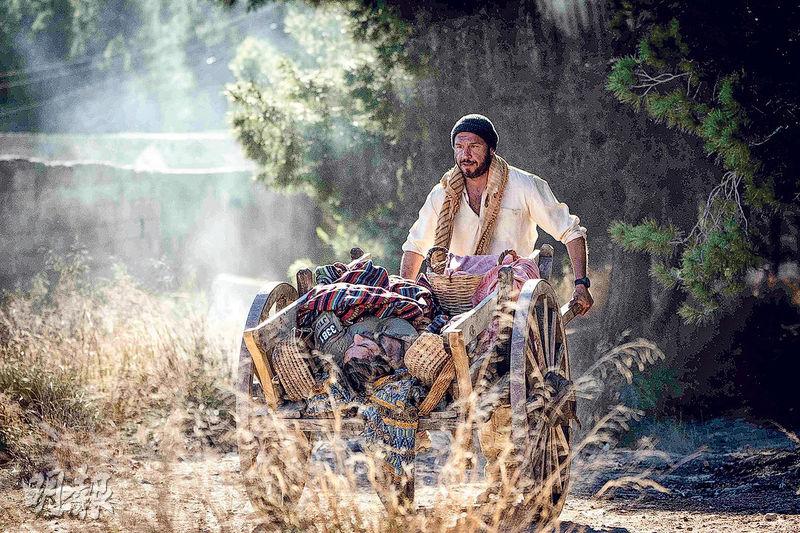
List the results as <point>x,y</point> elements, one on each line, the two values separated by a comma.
<point>583,281</point>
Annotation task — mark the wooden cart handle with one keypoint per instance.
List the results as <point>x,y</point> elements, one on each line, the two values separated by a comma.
<point>568,313</point>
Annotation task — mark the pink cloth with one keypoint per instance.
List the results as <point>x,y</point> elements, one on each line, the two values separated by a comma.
<point>523,270</point>
<point>362,348</point>
<point>469,264</point>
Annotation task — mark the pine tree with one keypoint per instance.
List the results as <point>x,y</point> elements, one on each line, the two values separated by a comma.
<point>713,92</point>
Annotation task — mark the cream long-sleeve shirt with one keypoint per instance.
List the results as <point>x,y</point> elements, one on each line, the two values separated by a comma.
<point>527,203</point>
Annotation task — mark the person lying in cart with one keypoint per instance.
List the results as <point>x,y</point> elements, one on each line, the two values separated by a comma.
<point>485,206</point>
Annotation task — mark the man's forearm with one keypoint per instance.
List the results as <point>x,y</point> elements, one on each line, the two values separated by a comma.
<point>409,265</point>
<point>576,248</point>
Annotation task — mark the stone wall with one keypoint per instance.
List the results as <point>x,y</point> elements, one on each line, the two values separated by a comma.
<point>200,222</point>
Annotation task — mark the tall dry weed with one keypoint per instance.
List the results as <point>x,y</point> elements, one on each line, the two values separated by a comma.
<point>313,482</point>
<point>82,354</point>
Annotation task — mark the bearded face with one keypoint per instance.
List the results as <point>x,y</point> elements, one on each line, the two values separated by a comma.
<point>472,155</point>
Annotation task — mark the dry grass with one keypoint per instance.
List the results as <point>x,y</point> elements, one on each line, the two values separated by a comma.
<point>86,361</point>
<point>82,356</point>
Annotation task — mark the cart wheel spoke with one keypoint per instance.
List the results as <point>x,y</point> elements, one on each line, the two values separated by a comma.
<point>545,331</point>
<point>556,462</point>
<point>535,350</point>
<point>561,439</point>
<point>538,358</point>
<point>553,327</point>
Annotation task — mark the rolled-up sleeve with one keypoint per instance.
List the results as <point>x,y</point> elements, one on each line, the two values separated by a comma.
<point>421,234</point>
<point>551,215</point>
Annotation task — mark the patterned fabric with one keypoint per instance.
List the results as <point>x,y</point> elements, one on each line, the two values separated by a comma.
<point>365,273</point>
<point>367,291</point>
<point>391,420</point>
<point>331,396</point>
<point>329,273</point>
<point>389,413</point>
<point>438,323</point>
<point>360,272</point>
<point>469,264</point>
<point>389,403</point>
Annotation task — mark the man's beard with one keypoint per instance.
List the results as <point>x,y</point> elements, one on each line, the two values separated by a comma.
<point>480,170</point>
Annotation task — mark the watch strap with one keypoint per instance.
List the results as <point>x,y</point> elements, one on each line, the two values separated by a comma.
<point>583,281</point>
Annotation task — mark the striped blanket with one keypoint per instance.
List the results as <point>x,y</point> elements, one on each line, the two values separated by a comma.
<point>368,290</point>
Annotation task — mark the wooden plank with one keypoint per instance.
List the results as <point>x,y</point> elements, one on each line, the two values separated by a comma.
<point>269,332</point>
<point>458,352</point>
<point>274,293</point>
<point>474,322</point>
<point>517,381</point>
<point>291,412</point>
<point>545,261</point>
<point>353,426</point>
<point>504,309</point>
<point>305,280</point>
<point>263,370</point>
<point>568,313</point>
<point>441,415</point>
<point>504,314</point>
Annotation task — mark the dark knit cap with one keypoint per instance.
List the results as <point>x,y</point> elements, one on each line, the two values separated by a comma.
<point>477,124</point>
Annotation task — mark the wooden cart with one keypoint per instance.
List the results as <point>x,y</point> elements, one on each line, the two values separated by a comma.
<point>538,404</point>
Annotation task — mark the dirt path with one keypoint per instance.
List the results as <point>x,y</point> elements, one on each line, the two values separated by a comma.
<point>740,491</point>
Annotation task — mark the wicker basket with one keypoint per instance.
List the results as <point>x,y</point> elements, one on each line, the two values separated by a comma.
<point>425,357</point>
<point>454,292</point>
<point>290,360</point>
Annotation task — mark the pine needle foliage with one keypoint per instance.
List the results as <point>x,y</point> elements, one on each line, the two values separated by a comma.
<point>324,101</point>
<point>649,236</point>
<point>676,82</point>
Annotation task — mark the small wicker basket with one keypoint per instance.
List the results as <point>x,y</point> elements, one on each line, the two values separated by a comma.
<point>290,360</point>
<point>426,357</point>
<point>454,292</point>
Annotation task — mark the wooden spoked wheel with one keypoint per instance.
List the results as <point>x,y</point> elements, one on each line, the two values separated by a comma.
<point>273,459</point>
<point>542,404</point>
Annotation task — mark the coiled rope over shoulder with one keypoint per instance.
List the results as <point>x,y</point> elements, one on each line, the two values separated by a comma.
<point>453,183</point>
